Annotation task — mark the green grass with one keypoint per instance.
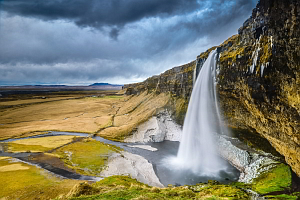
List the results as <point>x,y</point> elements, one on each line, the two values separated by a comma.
<point>124,187</point>
<point>220,190</point>
<point>276,179</point>
<point>88,156</point>
<point>284,197</point>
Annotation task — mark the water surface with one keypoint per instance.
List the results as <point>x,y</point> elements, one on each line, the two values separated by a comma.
<point>157,158</point>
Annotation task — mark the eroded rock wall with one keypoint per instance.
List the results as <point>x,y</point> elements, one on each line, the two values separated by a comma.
<point>259,82</point>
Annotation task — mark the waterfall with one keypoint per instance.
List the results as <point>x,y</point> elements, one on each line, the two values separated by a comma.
<point>197,150</point>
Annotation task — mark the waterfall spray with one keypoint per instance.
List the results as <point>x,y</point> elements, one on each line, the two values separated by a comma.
<point>197,150</point>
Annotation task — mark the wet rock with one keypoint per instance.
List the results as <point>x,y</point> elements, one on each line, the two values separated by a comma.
<point>249,163</point>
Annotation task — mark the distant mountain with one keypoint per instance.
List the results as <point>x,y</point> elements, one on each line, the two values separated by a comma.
<point>105,84</point>
<point>49,85</point>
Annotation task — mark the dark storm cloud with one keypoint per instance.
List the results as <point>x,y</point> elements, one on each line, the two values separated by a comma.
<point>98,13</point>
<point>117,13</point>
<point>94,39</point>
<point>114,33</point>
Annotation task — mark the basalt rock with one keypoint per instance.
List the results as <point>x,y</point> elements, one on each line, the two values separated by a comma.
<point>258,77</point>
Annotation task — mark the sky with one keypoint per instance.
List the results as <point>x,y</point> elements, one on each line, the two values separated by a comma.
<point>79,42</point>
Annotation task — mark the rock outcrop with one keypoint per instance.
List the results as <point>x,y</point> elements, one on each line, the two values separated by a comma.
<point>258,79</point>
<point>157,129</point>
<point>124,163</point>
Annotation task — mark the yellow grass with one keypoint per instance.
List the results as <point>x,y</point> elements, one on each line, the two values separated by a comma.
<point>49,142</point>
<point>4,158</point>
<point>23,181</point>
<point>39,144</point>
<point>109,116</point>
<point>17,148</point>
<point>13,167</point>
<point>76,115</point>
<point>136,110</point>
<point>31,101</point>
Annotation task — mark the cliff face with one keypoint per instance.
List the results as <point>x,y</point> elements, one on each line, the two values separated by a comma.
<point>259,77</point>
<point>258,80</point>
<point>178,81</point>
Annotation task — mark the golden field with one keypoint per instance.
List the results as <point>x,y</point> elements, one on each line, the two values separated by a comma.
<point>108,115</point>
<point>74,112</point>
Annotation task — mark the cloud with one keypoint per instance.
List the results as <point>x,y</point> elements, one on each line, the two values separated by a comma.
<point>117,13</point>
<point>90,71</point>
<point>121,40</point>
<point>98,13</point>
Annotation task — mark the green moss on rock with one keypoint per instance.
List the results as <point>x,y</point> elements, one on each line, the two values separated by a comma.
<point>283,197</point>
<point>276,179</point>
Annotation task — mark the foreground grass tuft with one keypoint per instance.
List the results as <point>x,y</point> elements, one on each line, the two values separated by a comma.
<point>278,178</point>
<point>124,187</point>
<point>284,197</point>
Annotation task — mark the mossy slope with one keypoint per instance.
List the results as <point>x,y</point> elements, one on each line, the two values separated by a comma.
<point>123,187</point>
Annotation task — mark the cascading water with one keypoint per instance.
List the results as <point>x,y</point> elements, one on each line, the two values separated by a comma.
<point>197,150</point>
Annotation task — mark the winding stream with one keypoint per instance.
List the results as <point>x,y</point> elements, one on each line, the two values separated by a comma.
<point>164,149</point>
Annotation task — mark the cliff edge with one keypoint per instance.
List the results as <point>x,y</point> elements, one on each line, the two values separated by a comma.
<point>258,79</point>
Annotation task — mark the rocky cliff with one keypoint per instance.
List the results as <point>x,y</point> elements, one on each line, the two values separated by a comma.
<point>258,80</point>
